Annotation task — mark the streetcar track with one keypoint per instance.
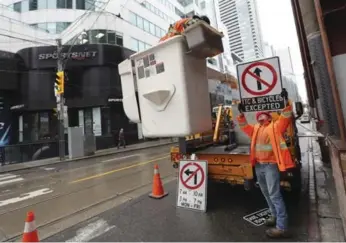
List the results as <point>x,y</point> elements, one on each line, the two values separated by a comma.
<point>56,176</point>
<point>57,220</point>
<point>63,194</point>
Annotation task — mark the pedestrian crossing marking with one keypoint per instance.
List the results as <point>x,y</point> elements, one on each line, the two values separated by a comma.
<point>9,178</point>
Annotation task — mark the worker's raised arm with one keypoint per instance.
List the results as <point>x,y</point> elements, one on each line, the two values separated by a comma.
<point>244,126</point>
<point>286,115</point>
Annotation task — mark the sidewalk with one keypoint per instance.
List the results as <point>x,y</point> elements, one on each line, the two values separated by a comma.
<point>326,203</point>
<point>99,153</point>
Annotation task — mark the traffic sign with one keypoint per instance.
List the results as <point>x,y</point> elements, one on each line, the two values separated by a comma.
<point>192,185</point>
<point>258,218</point>
<point>260,84</point>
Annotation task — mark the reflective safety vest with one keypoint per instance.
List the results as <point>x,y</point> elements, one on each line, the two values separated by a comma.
<point>275,130</point>
<point>178,27</point>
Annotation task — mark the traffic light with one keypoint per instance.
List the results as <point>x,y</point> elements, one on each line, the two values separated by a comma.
<point>60,82</point>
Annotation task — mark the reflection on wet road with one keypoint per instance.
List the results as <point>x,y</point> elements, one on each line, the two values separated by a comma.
<point>61,190</point>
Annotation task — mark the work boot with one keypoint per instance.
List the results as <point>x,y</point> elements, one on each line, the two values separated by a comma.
<point>270,222</point>
<point>277,233</point>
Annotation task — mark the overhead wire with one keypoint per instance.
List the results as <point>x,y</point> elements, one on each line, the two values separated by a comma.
<point>32,41</point>
<point>78,19</point>
<point>76,37</point>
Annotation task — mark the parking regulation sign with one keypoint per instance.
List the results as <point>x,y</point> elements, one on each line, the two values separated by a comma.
<point>260,85</point>
<point>192,185</point>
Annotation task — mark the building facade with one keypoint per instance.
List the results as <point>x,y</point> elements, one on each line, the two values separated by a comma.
<point>243,27</point>
<point>97,35</point>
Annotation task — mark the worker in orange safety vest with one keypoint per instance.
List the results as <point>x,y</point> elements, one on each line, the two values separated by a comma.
<point>269,155</point>
<point>179,26</point>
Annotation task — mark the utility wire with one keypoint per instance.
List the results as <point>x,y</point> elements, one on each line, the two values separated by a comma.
<point>21,34</point>
<point>77,20</point>
<point>76,38</point>
<point>32,41</point>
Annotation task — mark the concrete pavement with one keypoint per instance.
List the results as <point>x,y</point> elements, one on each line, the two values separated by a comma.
<point>64,194</point>
<point>327,208</point>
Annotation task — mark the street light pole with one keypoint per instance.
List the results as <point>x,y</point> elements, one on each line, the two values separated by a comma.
<point>60,105</point>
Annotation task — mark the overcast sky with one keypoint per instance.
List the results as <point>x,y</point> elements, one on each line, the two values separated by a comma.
<point>278,29</point>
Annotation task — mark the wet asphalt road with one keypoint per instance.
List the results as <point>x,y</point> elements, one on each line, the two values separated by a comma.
<point>145,219</point>
<point>59,192</point>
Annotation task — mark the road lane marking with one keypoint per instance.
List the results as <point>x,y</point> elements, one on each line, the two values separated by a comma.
<point>9,178</point>
<point>26,196</point>
<point>120,169</point>
<point>91,231</point>
<point>120,158</point>
<point>48,168</point>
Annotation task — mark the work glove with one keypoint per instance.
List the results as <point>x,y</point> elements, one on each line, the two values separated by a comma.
<point>284,94</point>
<point>241,108</point>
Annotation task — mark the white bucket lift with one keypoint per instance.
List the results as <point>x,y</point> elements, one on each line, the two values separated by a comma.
<point>172,84</point>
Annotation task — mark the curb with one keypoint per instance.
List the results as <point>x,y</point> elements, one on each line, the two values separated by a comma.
<point>314,233</point>
<point>87,157</point>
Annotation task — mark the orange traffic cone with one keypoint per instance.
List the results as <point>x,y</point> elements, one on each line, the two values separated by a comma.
<point>30,233</point>
<point>158,191</point>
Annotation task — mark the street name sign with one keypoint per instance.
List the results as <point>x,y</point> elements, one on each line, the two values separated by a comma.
<point>260,85</point>
<point>192,185</point>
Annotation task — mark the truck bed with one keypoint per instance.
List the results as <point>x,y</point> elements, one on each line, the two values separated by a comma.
<point>241,149</point>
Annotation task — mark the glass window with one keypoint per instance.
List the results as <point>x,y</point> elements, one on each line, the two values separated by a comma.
<point>141,46</point>
<point>133,18</point>
<point>88,121</point>
<point>42,26</point>
<point>101,36</point>
<point>90,4</point>
<point>42,4</point>
<point>134,44</point>
<point>17,7</point>
<point>162,32</point>
<point>51,4</point>
<point>69,4</point>
<point>146,25</point>
<point>147,46</point>
<point>111,37</point>
<point>32,5</point>
<point>105,121</point>
<point>120,40</point>
<point>60,4</point>
<point>158,31</point>
<point>93,34</point>
<point>139,22</point>
<point>51,27</point>
<point>44,125</point>
<point>61,26</point>
<point>152,28</point>
<point>25,5</point>
<point>80,4</point>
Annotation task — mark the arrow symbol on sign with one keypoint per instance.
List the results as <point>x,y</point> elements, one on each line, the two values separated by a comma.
<point>258,74</point>
<point>189,172</point>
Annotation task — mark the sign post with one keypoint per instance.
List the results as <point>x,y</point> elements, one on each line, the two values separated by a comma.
<point>192,185</point>
<point>260,85</point>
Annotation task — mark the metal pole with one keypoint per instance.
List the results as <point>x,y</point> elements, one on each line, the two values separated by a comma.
<point>60,106</point>
<point>330,67</point>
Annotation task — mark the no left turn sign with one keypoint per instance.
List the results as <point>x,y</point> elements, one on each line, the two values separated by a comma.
<point>192,176</point>
<point>192,186</point>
